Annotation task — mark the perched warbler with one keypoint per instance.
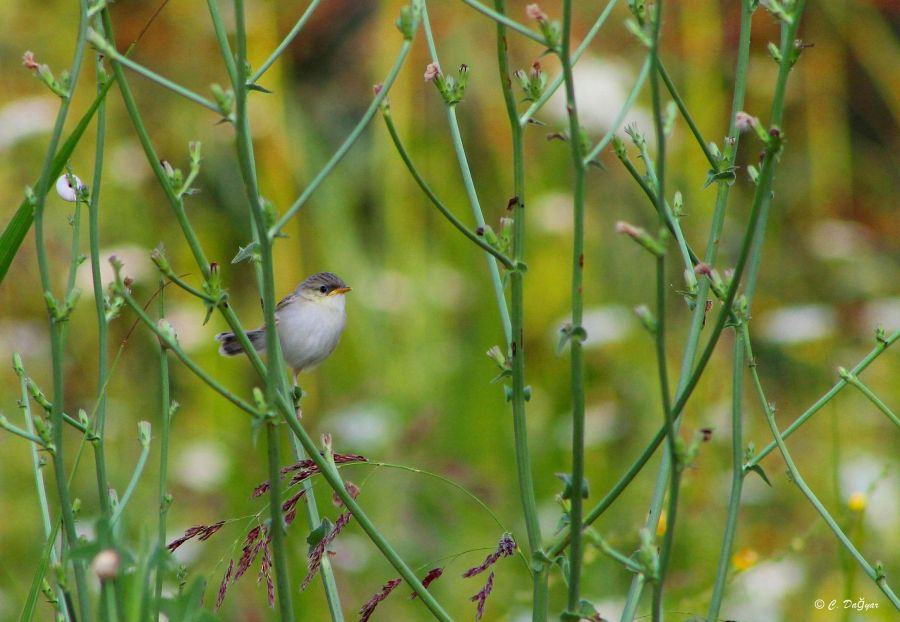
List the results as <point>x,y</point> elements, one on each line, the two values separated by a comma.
<point>309,323</point>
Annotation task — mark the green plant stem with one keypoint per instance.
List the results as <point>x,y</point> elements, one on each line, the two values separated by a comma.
<point>132,483</point>
<point>540,575</point>
<point>108,49</point>
<point>469,184</point>
<point>166,411</point>
<point>795,476</point>
<point>28,436</point>
<point>506,21</point>
<point>671,455</point>
<point>629,103</point>
<point>274,363</point>
<point>182,356</point>
<point>737,479</point>
<point>55,328</point>
<point>451,218</point>
<point>880,347</point>
<point>345,146</point>
<point>285,43</point>
<point>277,526</point>
<point>576,55</point>
<point>153,159</point>
<point>333,477</point>
<point>576,351</point>
<point>670,86</point>
<point>874,399</point>
<point>49,531</point>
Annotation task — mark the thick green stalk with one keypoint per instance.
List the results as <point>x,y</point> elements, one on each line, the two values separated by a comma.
<point>671,455</point>
<point>333,477</point>
<point>576,351</point>
<point>99,300</point>
<point>55,325</point>
<point>274,367</point>
<point>540,586</point>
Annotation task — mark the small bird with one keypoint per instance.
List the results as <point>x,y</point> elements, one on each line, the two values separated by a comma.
<point>309,323</point>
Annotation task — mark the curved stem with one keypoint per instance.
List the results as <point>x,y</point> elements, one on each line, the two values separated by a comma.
<point>451,218</point>
<point>506,21</point>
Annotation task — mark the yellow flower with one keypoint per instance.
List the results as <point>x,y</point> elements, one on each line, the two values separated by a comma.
<point>661,525</point>
<point>857,502</point>
<point>744,559</point>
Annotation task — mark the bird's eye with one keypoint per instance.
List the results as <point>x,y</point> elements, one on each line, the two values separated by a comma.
<point>323,289</point>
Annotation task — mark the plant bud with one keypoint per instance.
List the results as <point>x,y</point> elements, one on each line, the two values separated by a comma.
<point>106,564</point>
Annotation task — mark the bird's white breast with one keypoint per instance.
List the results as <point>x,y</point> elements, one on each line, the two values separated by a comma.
<point>309,330</point>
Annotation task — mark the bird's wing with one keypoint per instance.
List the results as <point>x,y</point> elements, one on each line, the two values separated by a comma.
<point>285,301</point>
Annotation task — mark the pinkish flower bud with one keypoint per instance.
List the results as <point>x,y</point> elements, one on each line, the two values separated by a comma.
<point>703,268</point>
<point>627,229</point>
<point>536,71</point>
<point>743,121</point>
<point>29,62</point>
<point>432,71</point>
<point>533,11</point>
<point>377,88</point>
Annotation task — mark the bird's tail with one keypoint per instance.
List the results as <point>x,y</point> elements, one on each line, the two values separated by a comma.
<point>231,346</point>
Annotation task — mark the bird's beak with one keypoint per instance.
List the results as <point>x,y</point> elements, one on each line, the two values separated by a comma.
<point>339,290</point>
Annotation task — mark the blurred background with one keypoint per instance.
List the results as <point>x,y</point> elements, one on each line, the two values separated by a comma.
<point>409,383</point>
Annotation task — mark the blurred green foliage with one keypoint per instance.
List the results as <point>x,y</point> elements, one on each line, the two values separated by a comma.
<point>410,382</point>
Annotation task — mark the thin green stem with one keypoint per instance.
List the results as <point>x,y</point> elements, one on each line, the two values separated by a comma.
<point>135,476</point>
<point>182,356</point>
<point>626,107</point>
<point>540,587</point>
<point>506,21</point>
<point>670,86</point>
<point>28,436</point>
<point>285,43</point>
<point>153,159</point>
<point>737,479</point>
<point>880,405</point>
<point>350,140</point>
<point>469,184</point>
<point>576,351</point>
<point>875,575</point>
<point>451,218</point>
<point>166,411</point>
<point>881,346</point>
<point>50,533</point>
<point>333,477</point>
<point>576,55</point>
<point>222,39</point>
<point>110,50</point>
<point>55,326</point>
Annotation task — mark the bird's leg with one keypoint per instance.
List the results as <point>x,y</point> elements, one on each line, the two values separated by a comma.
<point>297,395</point>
